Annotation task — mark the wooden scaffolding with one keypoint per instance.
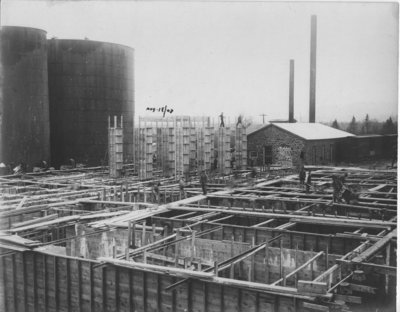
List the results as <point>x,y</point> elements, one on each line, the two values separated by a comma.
<point>182,146</point>
<point>115,147</point>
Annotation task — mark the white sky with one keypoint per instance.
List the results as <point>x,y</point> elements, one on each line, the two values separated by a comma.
<point>202,58</point>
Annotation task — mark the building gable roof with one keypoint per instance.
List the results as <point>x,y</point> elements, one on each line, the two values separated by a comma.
<point>256,127</point>
<point>313,131</point>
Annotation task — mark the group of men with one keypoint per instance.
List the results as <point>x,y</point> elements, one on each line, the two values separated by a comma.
<point>182,184</point>
<point>340,190</point>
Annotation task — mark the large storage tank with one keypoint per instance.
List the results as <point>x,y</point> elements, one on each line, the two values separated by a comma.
<point>88,81</point>
<point>24,105</point>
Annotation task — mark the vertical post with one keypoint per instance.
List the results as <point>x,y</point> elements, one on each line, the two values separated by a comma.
<point>327,257</point>
<point>115,193</point>
<point>56,288</point>
<point>280,258</point>
<point>144,233</point>
<point>266,262</point>
<point>153,233</point>
<point>192,245</point>
<point>133,238</point>
<point>216,268</point>
<point>128,243</point>
<point>46,286</point>
<point>177,245</point>
<point>284,277</point>
<point>252,265</point>
<point>312,270</point>
<point>295,263</point>
<point>388,264</point>
<point>165,235</point>
<point>232,270</point>
<point>232,240</point>
<point>113,248</point>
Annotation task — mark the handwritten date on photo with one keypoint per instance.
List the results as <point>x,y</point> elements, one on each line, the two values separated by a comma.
<point>160,109</point>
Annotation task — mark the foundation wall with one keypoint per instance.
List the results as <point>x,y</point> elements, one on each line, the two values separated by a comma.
<point>304,241</point>
<point>32,281</point>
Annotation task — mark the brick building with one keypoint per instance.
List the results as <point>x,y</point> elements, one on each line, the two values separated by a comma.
<point>288,144</point>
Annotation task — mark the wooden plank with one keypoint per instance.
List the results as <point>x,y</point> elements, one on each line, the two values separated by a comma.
<point>348,298</point>
<point>190,295</point>
<point>159,294</point>
<point>68,284</point>
<point>5,282</point>
<point>144,291</point>
<point>24,275</point>
<point>35,287</point>
<point>205,291</point>
<point>366,254</point>
<point>131,302</point>
<point>45,285</point>
<point>36,220</point>
<point>266,257</point>
<point>91,279</point>
<point>316,307</point>
<point>158,269</point>
<point>15,283</point>
<point>333,221</point>
<point>304,265</point>
<point>263,223</point>
<point>362,288</point>
<point>104,288</point>
<point>117,292</point>
<point>311,287</point>
<point>174,303</point>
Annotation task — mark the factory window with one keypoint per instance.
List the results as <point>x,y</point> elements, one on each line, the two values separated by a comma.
<point>253,154</point>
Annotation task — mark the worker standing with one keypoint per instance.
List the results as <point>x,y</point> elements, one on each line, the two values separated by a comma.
<point>302,176</point>
<point>203,182</point>
<point>156,192</point>
<point>182,188</point>
<point>336,188</point>
<point>308,182</point>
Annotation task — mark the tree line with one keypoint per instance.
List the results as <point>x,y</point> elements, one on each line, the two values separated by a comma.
<point>367,126</point>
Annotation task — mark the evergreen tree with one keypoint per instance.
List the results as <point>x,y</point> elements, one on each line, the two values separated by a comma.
<point>389,127</point>
<point>352,128</point>
<point>335,125</point>
<point>366,127</point>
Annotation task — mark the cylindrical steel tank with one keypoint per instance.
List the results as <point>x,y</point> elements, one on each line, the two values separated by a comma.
<point>24,104</point>
<point>88,81</point>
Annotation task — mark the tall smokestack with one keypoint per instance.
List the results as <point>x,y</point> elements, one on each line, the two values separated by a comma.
<point>291,91</point>
<point>313,62</point>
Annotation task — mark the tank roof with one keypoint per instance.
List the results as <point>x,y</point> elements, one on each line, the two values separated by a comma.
<point>91,41</point>
<point>21,27</point>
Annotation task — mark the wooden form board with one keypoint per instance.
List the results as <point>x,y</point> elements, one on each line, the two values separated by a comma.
<point>146,152</point>
<point>224,151</point>
<point>304,241</point>
<point>33,281</point>
<point>115,148</point>
<point>185,144</point>
<point>240,147</point>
